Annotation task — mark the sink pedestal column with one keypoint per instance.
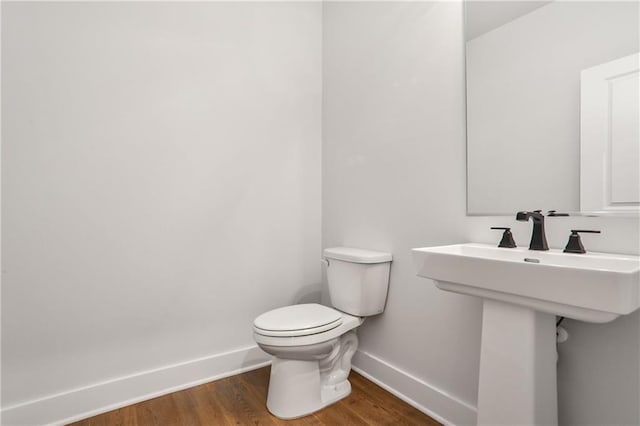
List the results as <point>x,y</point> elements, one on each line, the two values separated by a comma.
<point>517,366</point>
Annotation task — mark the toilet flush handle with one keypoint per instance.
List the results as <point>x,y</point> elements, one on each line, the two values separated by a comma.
<point>325,262</point>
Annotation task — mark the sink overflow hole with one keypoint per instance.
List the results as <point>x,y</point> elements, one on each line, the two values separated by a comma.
<point>531,260</point>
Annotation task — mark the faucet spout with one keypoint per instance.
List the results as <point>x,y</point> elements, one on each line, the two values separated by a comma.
<point>538,236</point>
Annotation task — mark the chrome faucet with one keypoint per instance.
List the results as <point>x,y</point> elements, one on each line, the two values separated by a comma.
<point>538,237</point>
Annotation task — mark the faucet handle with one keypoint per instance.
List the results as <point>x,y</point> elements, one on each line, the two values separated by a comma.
<point>507,237</point>
<point>555,213</point>
<point>575,243</point>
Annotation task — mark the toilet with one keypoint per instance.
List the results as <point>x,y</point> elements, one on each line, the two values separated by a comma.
<point>312,344</point>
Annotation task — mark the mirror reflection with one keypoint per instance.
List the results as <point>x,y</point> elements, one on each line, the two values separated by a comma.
<point>527,64</point>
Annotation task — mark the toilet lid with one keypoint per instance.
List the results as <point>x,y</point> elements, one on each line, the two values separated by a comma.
<point>297,320</point>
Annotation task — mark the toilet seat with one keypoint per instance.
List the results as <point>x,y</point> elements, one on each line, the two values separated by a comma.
<point>348,322</point>
<point>297,321</point>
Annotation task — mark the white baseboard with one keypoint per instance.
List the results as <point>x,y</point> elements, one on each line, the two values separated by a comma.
<point>432,401</point>
<point>87,401</point>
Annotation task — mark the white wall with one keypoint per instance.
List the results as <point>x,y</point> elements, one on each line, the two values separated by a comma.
<point>394,178</point>
<point>523,82</point>
<point>161,185</point>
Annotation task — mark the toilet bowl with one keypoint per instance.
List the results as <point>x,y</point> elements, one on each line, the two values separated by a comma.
<point>311,344</point>
<point>310,368</point>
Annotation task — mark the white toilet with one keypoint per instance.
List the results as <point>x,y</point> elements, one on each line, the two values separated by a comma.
<point>312,344</point>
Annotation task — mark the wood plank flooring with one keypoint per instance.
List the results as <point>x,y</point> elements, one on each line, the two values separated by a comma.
<point>240,400</point>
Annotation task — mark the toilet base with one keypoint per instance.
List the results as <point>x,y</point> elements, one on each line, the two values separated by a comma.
<point>298,388</point>
<point>334,393</point>
<point>295,390</point>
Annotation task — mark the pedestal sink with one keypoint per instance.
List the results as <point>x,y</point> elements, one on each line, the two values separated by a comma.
<point>523,291</point>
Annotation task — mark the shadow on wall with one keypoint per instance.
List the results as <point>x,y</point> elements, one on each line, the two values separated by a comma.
<point>607,355</point>
<point>311,293</point>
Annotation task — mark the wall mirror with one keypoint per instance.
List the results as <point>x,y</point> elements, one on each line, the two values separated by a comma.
<point>552,106</point>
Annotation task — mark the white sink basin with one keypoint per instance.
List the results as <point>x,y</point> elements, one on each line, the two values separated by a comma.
<point>593,287</point>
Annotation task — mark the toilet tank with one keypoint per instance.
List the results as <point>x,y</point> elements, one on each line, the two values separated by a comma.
<point>358,280</point>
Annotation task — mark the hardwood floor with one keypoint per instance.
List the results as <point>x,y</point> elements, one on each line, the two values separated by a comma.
<point>240,400</point>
